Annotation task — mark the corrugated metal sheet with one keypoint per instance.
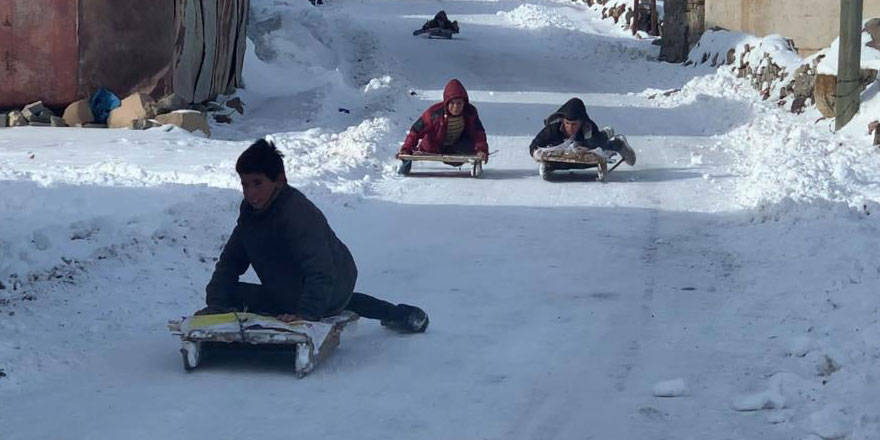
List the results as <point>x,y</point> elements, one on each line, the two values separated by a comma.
<point>38,52</point>
<point>210,52</point>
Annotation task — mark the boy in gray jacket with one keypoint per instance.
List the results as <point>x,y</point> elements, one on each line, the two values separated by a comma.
<point>306,272</point>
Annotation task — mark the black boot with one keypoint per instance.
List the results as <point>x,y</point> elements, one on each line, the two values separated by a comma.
<point>407,319</point>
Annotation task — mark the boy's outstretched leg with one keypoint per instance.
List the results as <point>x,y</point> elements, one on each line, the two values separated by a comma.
<point>402,317</point>
<point>620,145</point>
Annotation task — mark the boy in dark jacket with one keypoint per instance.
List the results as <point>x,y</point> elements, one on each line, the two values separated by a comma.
<point>572,122</point>
<point>449,127</point>
<point>440,21</point>
<point>306,272</point>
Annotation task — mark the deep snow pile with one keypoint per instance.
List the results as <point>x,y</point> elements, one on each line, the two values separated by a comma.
<point>812,196</point>
<point>783,156</point>
<point>714,46</point>
<point>531,16</point>
<point>829,57</point>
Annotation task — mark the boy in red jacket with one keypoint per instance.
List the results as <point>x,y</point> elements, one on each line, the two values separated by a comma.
<point>449,127</point>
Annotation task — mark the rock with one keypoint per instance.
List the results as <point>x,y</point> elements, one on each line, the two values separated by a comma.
<point>868,77</point>
<point>804,82</point>
<point>2,120</point>
<point>40,124</point>
<point>236,104</point>
<point>213,106</point>
<point>824,93</point>
<point>136,106</point>
<point>873,128</point>
<point>94,125</point>
<point>16,119</point>
<point>57,121</point>
<point>144,123</point>
<point>169,104</point>
<point>37,112</point>
<point>731,56</point>
<point>78,113</point>
<point>189,120</point>
<point>872,27</point>
<point>797,106</point>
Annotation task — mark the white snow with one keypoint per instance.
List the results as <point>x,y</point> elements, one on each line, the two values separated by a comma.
<point>829,57</point>
<point>670,388</point>
<point>531,16</point>
<point>740,253</point>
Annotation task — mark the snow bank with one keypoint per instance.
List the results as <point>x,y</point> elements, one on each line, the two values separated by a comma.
<point>532,16</point>
<point>717,45</point>
<point>291,48</point>
<point>769,62</point>
<point>828,58</point>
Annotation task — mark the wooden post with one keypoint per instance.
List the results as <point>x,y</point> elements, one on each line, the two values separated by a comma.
<point>635,20</point>
<point>849,80</point>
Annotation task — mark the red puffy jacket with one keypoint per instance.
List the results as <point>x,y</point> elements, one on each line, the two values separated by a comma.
<point>430,128</point>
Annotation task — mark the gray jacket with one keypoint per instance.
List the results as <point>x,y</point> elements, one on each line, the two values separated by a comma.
<point>294,252</point>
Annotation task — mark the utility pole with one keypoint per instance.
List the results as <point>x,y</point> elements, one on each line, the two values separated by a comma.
<point>849,78</point>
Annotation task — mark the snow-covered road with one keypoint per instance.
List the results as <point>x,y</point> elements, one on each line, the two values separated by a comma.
<point>556,307</point>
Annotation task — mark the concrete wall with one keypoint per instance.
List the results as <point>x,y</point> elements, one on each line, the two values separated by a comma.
<point>812,24</point>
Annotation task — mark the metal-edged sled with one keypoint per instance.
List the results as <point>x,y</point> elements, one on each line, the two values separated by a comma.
<point>313,341</point>
<point>436,33</point>
<point>407,159</point>
<point>575,158</point>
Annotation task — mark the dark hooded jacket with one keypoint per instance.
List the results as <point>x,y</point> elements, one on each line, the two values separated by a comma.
<point>440,21</point>
<point>589,135</point>
<point>294,252</point>
<point>430,128</point>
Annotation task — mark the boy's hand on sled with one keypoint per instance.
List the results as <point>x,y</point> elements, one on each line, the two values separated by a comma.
<point>213,310</point>
<point>287,317</point>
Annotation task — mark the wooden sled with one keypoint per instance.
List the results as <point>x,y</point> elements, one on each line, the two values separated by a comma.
<point>314,341</point>
<point>576,158</point>
<point>475,161</point>
<point>436,33</point>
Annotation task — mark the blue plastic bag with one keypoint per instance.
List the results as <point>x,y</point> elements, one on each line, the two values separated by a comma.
<point>102,102</point>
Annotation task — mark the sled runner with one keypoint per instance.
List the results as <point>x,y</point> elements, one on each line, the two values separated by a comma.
<point>565,157</point>
<point>436,33</point>
<point>452,159</point>
<point>313,341</point>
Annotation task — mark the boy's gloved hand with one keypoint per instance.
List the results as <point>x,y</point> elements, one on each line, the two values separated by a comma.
<point>214,310</point>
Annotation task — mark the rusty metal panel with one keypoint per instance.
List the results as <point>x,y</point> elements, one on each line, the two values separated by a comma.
<point>38,52</point>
